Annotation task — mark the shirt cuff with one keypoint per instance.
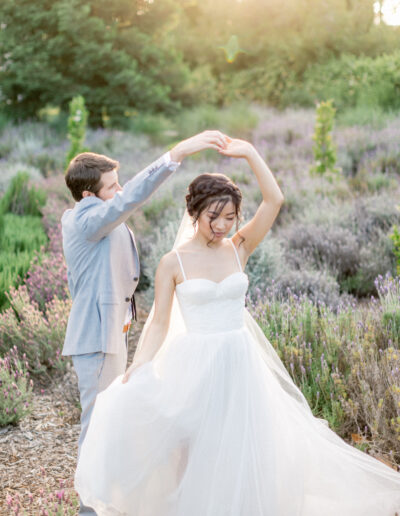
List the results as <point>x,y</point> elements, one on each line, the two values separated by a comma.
<point>172,165</point>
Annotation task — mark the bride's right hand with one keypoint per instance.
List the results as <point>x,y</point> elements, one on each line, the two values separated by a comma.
<point>205,140</point>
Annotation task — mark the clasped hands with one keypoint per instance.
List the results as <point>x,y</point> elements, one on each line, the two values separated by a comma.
<point>232,147</point>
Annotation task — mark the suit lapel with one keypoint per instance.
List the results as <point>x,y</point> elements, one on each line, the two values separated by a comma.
<point>134,247</point>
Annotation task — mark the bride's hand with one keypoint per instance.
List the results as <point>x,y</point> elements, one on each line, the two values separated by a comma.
<point>238,148</point>
<point>205,140</point>
<point>129,371</point>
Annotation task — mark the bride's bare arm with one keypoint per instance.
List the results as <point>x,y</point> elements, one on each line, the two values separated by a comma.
<point>256,229</point>
<point>164,286</point>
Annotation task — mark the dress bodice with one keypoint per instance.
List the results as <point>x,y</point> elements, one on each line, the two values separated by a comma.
<point>208,306</point>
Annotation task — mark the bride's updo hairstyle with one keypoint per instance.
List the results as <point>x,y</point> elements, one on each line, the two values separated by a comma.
<point>208,188</point>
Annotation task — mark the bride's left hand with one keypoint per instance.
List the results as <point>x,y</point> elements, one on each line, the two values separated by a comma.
<point>237,148</point>
<point>129,371</point>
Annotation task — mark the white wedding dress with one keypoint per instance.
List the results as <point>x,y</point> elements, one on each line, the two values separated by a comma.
<point>213,427</point>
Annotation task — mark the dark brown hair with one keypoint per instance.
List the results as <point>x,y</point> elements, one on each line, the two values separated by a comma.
<point>84,173</point>
<point>209,188</point>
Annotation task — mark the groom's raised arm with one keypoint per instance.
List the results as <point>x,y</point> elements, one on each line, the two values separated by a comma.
<point>97,218</point>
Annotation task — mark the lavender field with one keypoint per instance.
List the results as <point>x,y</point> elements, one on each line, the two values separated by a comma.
<point>323,284</point>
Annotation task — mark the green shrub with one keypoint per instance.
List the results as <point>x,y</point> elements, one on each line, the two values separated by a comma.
<point>154,209</point>
<point>361,115</point>
<point>357,81</point>
<point>237,120</point>
<point>395,237</point>
<point>324,150</point>
<point>77,122</point>
<point>4,121</point>
<point>20,238</point>
<point>21,198</point>
<point>40,336</point>
<point>158,127</point>
<point>343,360</point>
<point>15,388</point>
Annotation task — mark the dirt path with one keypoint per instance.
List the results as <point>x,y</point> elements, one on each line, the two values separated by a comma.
<point>41,452</point>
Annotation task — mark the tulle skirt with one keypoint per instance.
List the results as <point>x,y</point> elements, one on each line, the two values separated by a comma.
<point>207,430</point>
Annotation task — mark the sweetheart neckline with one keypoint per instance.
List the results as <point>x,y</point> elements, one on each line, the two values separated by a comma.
<point>212,281</point>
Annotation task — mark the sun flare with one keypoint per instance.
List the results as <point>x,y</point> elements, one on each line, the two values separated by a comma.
<point>388,11</point>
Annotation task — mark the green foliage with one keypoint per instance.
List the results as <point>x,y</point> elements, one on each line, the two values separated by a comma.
<point>21,231</point>
<point>21,198</point>
<point>395,237</point>
<point>157,126</point>
<point>77,122</point>
<point>130,56</point>
<point>120,56</point>
<point>156,208</point>
<point>22,236</point>
<point>39,335</point>
<point>239,119</point>
<point>4,121</point>
<point>16,388</point>
<point>354,82</point>
<point>373,116</point>
<point>324,150</point>
<point>342,359</point>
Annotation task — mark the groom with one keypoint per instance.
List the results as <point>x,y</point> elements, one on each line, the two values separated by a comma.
<point>103,263</point>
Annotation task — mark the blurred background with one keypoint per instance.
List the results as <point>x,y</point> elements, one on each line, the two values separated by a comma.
<point>129,57</point>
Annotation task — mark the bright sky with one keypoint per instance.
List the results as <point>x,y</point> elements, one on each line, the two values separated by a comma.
<point>390,11</point>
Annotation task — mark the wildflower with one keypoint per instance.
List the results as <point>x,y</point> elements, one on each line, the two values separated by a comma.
<point>9,499</point>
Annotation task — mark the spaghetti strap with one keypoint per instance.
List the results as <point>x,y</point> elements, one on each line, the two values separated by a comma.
<point>180,263</point>
<point>236,253</point>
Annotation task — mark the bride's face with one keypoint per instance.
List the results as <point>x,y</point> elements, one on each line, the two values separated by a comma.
<point>221,225</point>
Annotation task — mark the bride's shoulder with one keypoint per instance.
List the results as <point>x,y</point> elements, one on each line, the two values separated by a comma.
<point>168,264</point>
<point>168,259</point>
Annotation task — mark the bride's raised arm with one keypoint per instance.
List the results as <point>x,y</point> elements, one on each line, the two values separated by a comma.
<point>164,286</point>
<point>255,230</point>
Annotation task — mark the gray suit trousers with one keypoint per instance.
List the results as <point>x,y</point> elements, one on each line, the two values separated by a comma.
<point>95,372</point>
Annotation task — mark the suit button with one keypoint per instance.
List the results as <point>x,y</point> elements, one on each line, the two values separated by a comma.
<point>135,278</point>
<point>127,299</point>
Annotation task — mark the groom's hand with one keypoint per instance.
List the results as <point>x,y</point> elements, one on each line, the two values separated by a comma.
<point>205,140</point>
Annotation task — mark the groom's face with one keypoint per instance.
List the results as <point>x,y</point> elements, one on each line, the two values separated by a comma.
<point>109,185</point>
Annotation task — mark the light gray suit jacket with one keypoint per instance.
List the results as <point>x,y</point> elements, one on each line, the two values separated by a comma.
<point>103,263</point>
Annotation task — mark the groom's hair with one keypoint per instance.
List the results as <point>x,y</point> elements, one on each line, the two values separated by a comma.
<point>84,173</point>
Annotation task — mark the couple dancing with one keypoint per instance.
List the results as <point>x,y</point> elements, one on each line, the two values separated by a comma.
<point>206,421</point>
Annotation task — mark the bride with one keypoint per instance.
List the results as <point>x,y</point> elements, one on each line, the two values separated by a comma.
<point>207,421</point>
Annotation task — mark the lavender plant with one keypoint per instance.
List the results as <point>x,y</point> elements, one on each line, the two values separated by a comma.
<point>49,502</point>
<point>38,335</point>
<point>47,275</point>
<point>388,289</point>
<point>346,361</point>
<point>15,388</point>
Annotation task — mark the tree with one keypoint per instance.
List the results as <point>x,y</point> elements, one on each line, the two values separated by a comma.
<point>115,54</point>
